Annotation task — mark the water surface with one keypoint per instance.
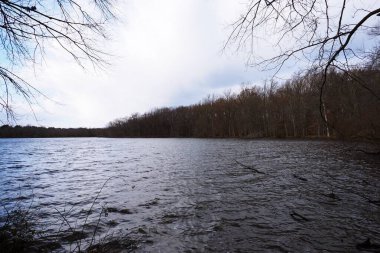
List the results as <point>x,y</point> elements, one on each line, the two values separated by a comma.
<point>194,195</point>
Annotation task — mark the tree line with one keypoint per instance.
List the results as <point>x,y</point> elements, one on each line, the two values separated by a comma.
<point>7,131</point>
<point>351,109</point>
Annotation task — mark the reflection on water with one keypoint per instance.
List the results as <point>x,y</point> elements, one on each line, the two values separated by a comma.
<point>184,195</point>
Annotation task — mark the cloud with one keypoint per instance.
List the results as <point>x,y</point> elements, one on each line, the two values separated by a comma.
<point>166,53</point>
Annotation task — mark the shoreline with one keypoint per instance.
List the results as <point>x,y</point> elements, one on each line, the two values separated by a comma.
<point>304,138</point>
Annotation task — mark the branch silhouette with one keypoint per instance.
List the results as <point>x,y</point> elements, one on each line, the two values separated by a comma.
<point>25,28</point>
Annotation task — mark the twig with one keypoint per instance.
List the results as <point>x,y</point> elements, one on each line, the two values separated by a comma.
<point>248,167</point>
<point>331,196</point>
<point>300,178</point>
<point>92,205</point>
<point>368,152</point>
<point>298,217</point>
<point>96,229</point>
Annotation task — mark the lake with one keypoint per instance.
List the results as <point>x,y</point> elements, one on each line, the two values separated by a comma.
<point>196,195</point>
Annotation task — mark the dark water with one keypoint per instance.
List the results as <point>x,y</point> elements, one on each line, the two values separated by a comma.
<point>190,195</point>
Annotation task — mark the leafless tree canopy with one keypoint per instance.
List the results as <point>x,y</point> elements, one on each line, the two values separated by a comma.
<point>322,32</point>
<point>319,30</point>
<point>27,25</point>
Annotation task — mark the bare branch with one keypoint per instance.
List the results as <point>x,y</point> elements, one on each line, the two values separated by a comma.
<point>312,30</point>
<point>26,26</point>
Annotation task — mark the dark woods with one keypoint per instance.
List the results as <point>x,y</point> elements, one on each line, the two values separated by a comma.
<point>7,131</point>
<point>351,102</point>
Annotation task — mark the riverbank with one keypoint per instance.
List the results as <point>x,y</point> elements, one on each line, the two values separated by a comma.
<point>7,131</point>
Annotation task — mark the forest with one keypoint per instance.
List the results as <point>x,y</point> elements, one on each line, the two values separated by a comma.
<point>7,131</point>
<point>349,110</point>
<point>351,105</point>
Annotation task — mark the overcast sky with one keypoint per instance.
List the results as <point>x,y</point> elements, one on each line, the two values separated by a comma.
<point>166,53</point>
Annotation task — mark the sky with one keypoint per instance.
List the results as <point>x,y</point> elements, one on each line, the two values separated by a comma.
<point>165,53</point>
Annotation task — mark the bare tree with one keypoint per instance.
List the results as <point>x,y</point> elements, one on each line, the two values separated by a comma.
<point>322,32</point>
<point>27,25</point>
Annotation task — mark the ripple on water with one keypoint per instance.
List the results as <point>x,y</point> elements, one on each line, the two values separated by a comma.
<point>186,195</point>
